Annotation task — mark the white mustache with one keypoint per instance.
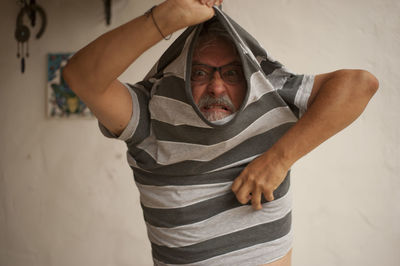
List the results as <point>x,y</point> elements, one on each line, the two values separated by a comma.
<point>224,100</point>
<point>215,115</point>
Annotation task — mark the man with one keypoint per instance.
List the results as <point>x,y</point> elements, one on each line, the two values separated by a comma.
<point>229,125</point>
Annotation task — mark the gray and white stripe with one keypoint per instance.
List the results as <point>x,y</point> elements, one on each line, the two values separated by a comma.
<point>216,226</point>
<point>166,152</point>
<point>220,245</point>
<point>254,255</point>
<point>164,197</point>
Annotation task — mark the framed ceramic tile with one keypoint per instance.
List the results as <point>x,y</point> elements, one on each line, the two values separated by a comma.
<point>62,102</point>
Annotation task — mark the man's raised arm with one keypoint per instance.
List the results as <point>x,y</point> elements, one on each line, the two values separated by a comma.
<point>93,71</point>
<point>336,100</point>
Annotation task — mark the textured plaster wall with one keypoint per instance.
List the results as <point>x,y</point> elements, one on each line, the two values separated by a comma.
<point>67,196</point>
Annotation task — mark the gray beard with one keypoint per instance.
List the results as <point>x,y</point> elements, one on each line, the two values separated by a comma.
<point>215,115</point>
<point>207,100</point>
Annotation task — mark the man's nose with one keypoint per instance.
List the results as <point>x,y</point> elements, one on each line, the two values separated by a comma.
<point>216,87</point>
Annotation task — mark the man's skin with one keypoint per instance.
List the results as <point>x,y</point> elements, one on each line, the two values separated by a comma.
<point>336,100</point>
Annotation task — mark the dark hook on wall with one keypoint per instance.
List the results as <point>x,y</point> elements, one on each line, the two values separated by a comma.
<point>32,14</point>
<point>107,10</point>
<point>22,32</point>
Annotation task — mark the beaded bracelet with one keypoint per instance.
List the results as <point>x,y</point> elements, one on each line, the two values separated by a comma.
<point>150,13</point>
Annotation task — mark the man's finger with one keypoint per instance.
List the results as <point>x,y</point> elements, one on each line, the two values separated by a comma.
<point>269,195</point>
<point>256,199</point>
<point>243,194</point>
<point>218,3</point>
<point>237,184</point>
<point>210,3</point>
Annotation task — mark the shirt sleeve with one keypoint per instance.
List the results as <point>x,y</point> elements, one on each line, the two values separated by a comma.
<point>294,89</point>
<point>134,121</point>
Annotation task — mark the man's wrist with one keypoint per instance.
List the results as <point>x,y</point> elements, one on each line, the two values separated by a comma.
<point>168,18</point>
<point>172,16</point>
<point>148,14</point>
<point>279,156</point>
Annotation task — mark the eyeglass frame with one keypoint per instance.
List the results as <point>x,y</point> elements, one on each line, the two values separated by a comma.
<point>219,69</point>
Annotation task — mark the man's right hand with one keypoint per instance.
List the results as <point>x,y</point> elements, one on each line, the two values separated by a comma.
<point>191,12</point>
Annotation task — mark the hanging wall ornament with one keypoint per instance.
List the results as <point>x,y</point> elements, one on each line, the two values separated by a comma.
<point>107,11</point>
<point>22,32</point>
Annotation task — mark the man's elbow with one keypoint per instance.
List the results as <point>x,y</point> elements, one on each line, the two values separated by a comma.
<point>73,78</point>
<point>67,75</point>
<point>355,85</point>
<point>365,82</point>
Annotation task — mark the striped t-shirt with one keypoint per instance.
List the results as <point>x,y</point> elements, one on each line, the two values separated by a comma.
<point>184,165</point>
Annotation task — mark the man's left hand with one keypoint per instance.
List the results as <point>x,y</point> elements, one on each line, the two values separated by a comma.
<point>262,176</point>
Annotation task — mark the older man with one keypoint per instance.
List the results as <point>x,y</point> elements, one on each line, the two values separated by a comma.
<point>215,115</point>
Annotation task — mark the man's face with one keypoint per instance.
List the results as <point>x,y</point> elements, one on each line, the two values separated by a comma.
<point>217,92</point>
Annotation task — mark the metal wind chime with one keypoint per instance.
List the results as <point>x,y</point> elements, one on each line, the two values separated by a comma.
<point>22,32</point>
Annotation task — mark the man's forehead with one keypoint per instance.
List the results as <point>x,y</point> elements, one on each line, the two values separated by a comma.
<point>214,49</point>
<point>233,62</point>
<point>214,42</point>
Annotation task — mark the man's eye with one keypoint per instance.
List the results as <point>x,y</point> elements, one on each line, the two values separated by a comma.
<point>200,73</point>
<point>231,73</point>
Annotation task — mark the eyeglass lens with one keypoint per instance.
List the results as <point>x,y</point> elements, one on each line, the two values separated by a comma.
<point>231,73</point>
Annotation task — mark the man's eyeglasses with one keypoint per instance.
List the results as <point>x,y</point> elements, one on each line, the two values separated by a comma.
<point>231,73</point>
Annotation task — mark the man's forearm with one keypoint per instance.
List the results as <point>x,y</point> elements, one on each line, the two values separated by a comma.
<point>105,59</point>
<point>95,66</point>
<point>340,100</point>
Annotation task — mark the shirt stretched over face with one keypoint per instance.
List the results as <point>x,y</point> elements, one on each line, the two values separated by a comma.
<point>184,165</point>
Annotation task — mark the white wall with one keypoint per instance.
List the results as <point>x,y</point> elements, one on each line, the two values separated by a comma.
<point>67,196</point>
